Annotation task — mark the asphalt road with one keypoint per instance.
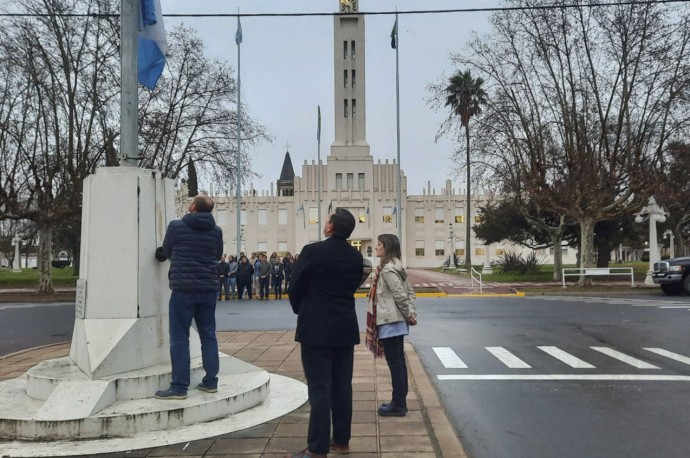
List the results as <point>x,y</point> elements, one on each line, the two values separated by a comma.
<point>494,361</point>
<point>504,404</point>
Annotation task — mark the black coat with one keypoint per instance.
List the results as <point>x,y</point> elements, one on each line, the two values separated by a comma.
<point>244,273</point>
<point>322,287</point>
<point>193,244</point>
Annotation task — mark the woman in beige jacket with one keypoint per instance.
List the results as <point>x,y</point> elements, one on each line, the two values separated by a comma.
<point>391,311</point>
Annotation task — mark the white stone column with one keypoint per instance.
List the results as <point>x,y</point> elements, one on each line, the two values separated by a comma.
<point>654,214</point>
<point>121,321</point>
<point>16,262</point>
<point>486,269</point>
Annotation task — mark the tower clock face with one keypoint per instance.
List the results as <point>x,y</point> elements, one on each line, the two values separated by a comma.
<point>348,6</point>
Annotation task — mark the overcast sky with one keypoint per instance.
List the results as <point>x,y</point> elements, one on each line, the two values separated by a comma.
<point>287,70</point>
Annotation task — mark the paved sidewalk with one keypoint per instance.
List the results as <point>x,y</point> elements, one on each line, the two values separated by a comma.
<point>424,433</point>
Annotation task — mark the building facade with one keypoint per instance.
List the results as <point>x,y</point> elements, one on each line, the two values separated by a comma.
<point>287,218</point>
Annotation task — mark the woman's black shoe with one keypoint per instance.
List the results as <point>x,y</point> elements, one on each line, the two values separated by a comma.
<point>391,410</point>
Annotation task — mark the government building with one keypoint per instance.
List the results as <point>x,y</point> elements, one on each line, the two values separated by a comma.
<point>286,218</point>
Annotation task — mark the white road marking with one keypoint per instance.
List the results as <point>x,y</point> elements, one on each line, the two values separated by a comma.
<point>507,358</point>
<point>669,354</point>
<point>624,358</point>
<point>581,377</point>
<point>449,358</point>
<point>674,306</point>
<point>567,358</point>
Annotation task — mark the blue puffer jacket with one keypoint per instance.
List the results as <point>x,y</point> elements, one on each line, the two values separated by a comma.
<point>194,245</point>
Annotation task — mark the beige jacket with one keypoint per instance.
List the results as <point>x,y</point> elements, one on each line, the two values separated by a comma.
<point>394,295</point>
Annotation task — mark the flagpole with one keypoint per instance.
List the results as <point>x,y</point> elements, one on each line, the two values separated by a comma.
<point>238,187</point>
<point>129,97</point>
<point>318,163</point>
<point>397,112</point>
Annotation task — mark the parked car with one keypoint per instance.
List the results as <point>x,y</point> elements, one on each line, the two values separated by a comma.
<point>673,275</point>
<point>60,263</point>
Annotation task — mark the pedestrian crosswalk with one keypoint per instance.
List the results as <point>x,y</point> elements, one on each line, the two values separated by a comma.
<point>559,359</point>
<point>633,302</point>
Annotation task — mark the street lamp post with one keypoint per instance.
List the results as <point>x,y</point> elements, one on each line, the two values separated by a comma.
<point>654,214</point>
<point>486,269</point>
<point>16,263</point>
<point>451,258</point>
<point>671,248</point>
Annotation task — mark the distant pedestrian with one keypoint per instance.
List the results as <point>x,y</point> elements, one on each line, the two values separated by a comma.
<point>245,271</point>
<point>277,277</point>
<point>223,270</point>
<point>264,277</point>
<point>232,276</point>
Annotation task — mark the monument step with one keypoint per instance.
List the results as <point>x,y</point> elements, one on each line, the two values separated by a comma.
<point>46,376</point>
<point>25,418</point>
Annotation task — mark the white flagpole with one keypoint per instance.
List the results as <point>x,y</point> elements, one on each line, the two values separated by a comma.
<point>397,112</point>
<point>238,188</point>
<point>318,164</point>
<point>129,97</point>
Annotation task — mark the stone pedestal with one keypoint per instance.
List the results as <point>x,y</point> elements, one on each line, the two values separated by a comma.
<point>121,321</point>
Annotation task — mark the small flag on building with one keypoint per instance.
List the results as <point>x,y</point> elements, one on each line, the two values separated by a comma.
<point>301,208</point>
<point>330,207</point>
<point>238,34</point>
<point>152,44</point>
<point>394,34</point>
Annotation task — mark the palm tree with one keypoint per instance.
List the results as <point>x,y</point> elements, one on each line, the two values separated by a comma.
<point>465,97</point>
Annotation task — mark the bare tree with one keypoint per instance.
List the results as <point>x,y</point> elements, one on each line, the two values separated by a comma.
<point>582,102</point>
<point>192,116</point>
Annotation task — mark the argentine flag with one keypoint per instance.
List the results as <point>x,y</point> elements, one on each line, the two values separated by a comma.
<point>152,43</point>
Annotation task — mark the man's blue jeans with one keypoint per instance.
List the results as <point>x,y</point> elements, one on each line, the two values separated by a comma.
<point>201,307</point>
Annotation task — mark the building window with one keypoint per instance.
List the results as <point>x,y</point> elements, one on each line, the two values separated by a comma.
<point>479,251</point>
<point>478,219</point>
<point>352,48</point>
<point>440,247</point>
<point>439,215</point>
<point>282,217</point>
<point>360,180</point>
<point>459,215</point>
<point>313,215</point>
<point>262,217</point>
<point>345,78</point>
<point>460,251</point>
<point>262,247</point>
<point>419,216</point>
<point>354,79</point>
<point>354,108</point>
<point>287,192</point>
<point>387,214</point>
<point>345,108</point>
<point>338,181</point>
<point>419,247</point>
<point>500,251</point>
<point>243,217</point>
<point>282,248</point>
<point>350,181</point>
<point>221,217</point>
<point>564,251</point>
<point>345,49</point>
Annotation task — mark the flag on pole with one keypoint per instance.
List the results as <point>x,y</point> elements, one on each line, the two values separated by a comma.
<point>330,207</point>
<point>152,44</point>
<point>301,208</point>
<point>394,34</point>
<point>238,34</point>
<point>318,129</point>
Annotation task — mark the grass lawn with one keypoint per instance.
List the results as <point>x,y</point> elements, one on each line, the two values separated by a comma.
<point>28,278</point>
<point>545,274</point>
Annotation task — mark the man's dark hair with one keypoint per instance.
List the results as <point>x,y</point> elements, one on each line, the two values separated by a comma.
<point>343,223</point>
<point>203,203</point>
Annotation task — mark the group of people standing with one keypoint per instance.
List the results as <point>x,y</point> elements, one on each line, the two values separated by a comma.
<point>245,276</point>
<point>321,293</point>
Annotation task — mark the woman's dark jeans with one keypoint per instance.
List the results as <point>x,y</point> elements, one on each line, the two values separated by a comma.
<point>395,357</point>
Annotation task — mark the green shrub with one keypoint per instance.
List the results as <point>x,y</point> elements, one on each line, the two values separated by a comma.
<point>513,263</point>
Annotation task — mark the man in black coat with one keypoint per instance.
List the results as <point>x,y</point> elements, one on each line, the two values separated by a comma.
<point>322,287</point>
<point>194,244</point>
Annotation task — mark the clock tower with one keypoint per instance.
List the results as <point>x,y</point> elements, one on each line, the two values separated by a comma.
<point>349,83</point>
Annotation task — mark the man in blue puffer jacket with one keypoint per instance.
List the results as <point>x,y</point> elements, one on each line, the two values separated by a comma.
<point>194,245</point>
